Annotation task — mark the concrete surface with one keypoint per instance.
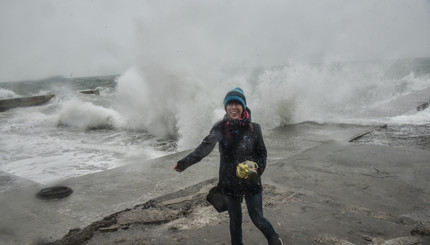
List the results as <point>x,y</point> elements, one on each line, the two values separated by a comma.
<point>334,193</point>
<point>26,218</point>
<point>319,190</point>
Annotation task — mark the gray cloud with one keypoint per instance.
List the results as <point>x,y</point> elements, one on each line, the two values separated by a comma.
<point>49,37</point>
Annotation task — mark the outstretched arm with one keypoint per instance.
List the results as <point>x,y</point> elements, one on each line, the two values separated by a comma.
<point>201,151</point>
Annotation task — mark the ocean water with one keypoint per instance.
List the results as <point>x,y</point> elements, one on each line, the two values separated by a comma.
<point>144,114</point>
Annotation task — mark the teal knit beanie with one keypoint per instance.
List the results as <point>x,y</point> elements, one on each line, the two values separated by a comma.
<point>236,94</point>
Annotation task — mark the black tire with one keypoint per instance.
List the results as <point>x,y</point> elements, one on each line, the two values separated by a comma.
<point>54,192</point>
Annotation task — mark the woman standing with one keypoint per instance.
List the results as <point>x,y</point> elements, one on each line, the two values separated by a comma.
<point>239,140</point>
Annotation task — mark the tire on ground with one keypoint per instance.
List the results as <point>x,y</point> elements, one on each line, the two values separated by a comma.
<point>54,192</point>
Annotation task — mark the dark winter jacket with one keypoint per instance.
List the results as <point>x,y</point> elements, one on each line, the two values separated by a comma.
<point>239,140</point>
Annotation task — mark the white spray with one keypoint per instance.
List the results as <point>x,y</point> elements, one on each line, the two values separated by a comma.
<point>288,58</point>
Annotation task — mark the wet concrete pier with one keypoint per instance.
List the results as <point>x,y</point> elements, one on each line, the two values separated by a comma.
<point>7,104</point>
<point>319,189</point>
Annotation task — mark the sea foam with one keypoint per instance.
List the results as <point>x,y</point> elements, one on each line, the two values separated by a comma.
<point>6,94</point>
<point>85,115</point>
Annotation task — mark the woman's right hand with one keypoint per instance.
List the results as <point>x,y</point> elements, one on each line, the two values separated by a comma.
<point>177,169</point>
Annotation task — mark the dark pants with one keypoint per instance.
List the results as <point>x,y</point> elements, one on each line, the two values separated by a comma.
<point>255,210</point>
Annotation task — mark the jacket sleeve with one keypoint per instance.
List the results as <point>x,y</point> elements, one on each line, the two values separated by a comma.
<point>261,151</point>
<point>202,150</point>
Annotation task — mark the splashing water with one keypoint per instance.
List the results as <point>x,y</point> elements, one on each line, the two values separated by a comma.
<point>186,107</point>
<point>294,63</point>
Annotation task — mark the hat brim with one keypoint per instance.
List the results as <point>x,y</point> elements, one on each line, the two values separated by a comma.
<point>235,98</point>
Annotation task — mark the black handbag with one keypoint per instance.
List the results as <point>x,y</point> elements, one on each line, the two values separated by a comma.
<point>216,198</point>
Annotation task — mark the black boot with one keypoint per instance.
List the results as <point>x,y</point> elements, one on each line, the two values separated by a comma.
<point>275,241</point>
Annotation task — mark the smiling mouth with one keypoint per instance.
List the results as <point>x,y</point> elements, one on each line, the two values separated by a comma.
<point>234,114</point>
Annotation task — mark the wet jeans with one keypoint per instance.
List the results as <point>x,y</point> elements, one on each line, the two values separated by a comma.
<point>255,209</point>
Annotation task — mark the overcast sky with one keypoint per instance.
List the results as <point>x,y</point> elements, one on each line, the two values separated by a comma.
<point>42,38</point>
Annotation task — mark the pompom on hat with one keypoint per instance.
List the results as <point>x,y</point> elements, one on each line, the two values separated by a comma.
<point>236,94</point>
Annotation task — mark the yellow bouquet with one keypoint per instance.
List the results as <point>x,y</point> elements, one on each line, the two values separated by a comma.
<point>246,169</point>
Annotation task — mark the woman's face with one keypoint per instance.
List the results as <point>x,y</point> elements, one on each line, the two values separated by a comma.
<point>234,110</point>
